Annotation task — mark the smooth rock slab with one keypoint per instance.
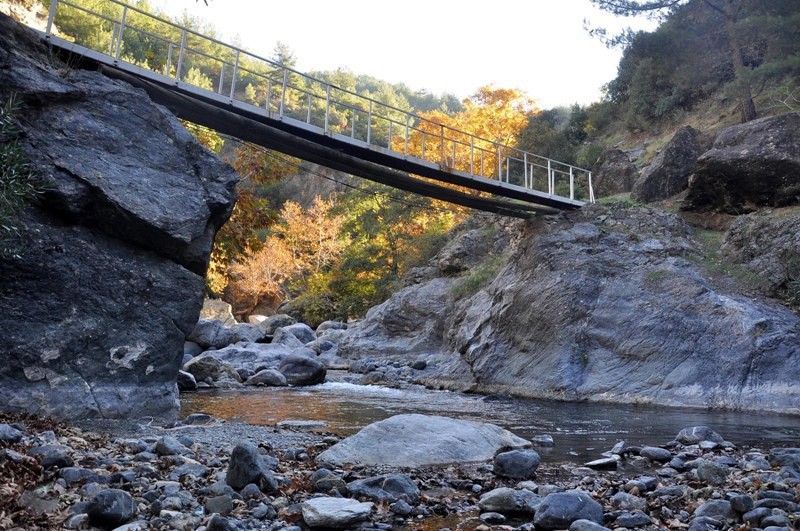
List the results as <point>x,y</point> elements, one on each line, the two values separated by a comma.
<point>336,513</point>
<point>419,440</point>
<point>560,509</point>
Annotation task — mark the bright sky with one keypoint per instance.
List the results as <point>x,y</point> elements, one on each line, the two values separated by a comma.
<point>455,46</point>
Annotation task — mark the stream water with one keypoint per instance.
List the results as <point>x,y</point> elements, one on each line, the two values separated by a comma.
<point>581,430</point>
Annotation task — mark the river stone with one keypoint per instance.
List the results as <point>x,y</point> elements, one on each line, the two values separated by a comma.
<point>186,381</point>
<point>654,453</point>
<point>698,434</point>
<point>249,333</point>
<point>632,519</point>
<point>586,525</point>
<point>326,326</point>
<point>558,510</point>
<point>623,500</point>
<point>52,455</point>
<point>391,487</point>
<point>211,333</point>
<point>273,322</point>
<point>247,466</point>
<point>303,332</point>
<point>287,339</point>
<point>9,434</point>
<point>335,513</point>
<point>717,509</point>
<point>208,367</point>
<point>507,500</point>
<point>742,503</point>
<point>711,473</point>
<point>111,508</point>
<point>253,356</point>
<point>268,377</point>
<point>416,440</point>
<point>169,446</point>
<point>518,464</point>
<point>301,369</point>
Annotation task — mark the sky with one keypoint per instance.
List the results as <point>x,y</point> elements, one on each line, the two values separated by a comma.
<point>453,46</point>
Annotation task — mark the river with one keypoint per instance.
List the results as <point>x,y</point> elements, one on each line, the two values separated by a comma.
<point>581,430</point>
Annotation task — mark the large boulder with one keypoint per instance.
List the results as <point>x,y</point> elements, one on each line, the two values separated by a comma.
<point>668,173</point>
<point>560,509</point>
<point>420,440</point>
<point>613,173</point>
<point>303,369</point>
<point>96,310</point>
<point>334,513</point>
<point>253,357</point>
<point>750,165</point>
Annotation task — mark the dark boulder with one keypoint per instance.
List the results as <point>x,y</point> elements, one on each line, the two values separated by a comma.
<point>300,369</point>
<point>560,509</point>
<point>247,466</point>
<point>97,309</point>
<point>750,165</point>
<point>668,173</point>
<point>391,487</point>
<point>111,508</point>
<point>613,173</point>
<point>519,464</point>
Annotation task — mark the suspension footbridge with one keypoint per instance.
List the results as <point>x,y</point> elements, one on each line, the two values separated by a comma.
<point>241,94</point>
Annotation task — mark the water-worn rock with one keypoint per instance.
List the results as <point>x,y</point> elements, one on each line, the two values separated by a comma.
<point>623,500</point>
<point>111,508</point>
<point>698,434</point>
<point>749,165</point>
<point>268,377</point>
<point>520,464</point>
<point>301,331</point>
<point>209,367</point>
<point>613,173</point>
<point>246,466</point>
<point>507,501</point>
<point>586,525</point>
<point>249,333</point>
<point>52,455</point>
<point>211,333</point>
<point>169,446</point>
<point>711,473</point>
<point>219,310</point>
<point>391,487</point>
<point>335,513</point>
<point>654,453</point>
<point>97,309</point>
<point>300,369</point>
<point>668,173</point>
<point>419,440</point>
<point>286,338</point>
<point>273,322</point>
<point>9,434</point>
<point>186,381</point>
<point>717,509</point>
<point>558,510</point>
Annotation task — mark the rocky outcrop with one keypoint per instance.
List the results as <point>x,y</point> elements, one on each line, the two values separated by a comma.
<point>750,165</point>
<point>605,304</point>
<point>767,243</point>
<point>613,173</point>
<point>96,310</point>
<point>669,172</point>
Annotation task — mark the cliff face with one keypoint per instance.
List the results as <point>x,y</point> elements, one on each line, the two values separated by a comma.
<point>608,304</point>
<point>110,281</point>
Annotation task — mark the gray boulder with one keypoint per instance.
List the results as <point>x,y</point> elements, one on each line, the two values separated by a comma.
<point>301,331</point>
<point>749,165</point>
<point>653,453</point>
<point>111,280</point>
<point>253,356</point>
<point>711,473</point>
<point>208,367</point>
<point>301,369</point>
<point>391,488</point>
<point>419,440</point>
<point>249,333</point>
<point>613,173</point>
<point>287,339</point>
<point>9,434</point>
<point>211,333</point>
<point>52,455</point>
<point>273,322</point>
<point>268,377</point>
<point>560,509</point>
<point>668,173</point>
<point>326,326</point>
<point>334,513</point>
<point>697,435</point>
<point>111,508</point>
<point>519,464</point>
<point>219,310</point>
<point>247,466</point>
<point>717,509</point>
<point>186,381</point>
<point>505,500</point>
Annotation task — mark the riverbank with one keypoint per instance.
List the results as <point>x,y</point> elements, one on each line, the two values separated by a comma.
<point>176,477</point>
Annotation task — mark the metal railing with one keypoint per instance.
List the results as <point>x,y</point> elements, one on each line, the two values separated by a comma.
<point>283,93</point>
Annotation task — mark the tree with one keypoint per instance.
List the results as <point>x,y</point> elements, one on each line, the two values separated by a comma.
<point>729,10</point>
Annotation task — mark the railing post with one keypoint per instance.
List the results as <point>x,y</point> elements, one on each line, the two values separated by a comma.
<point>353,127</point>
<point>591,189</point>
<point>221,78</point>
<point>327,107</point>
<point>525,168</point>
<point>180,56</point>
<point>121,31</point>
<point>550,183</point>
<point>112,45</point>
<point>283,90</point>
<point>269,97</point>
<point>235,73</point>
<point>369,124</point>
<point>51,16</point>
<point>423,144</point>
<point>169,58</point>
<point>499,165</point>
<point>308,116</point>
<point>471,155</point>
<point>571,184</point>
<point>408,119</point>
<point>441,139</point>
<point>454,155</point>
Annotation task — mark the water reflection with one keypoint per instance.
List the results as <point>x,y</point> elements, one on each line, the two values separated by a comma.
<point>581,430</point>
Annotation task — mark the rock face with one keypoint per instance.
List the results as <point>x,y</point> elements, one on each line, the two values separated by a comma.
<point>613,173</point>
<point>110,283</point>
<point>604,304</point>
<point>749,165</point>
<point>421,440</point>
<point>669,172</point>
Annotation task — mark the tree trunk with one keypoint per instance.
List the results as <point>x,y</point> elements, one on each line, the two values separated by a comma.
<point>748,107</point>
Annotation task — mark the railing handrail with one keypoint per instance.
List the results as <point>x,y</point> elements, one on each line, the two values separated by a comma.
<point>497,147</point>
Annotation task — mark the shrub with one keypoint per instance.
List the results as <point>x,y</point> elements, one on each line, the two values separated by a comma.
<point>478,277</point>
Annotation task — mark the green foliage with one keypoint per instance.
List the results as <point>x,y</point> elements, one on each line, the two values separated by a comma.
<point>478,277</point>
<point>17,180</point>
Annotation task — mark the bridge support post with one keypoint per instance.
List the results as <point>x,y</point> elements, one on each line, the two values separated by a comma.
<point>51,16</point>
<point>121,32</point>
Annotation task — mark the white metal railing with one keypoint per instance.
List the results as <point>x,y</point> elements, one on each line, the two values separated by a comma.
<point>286,94</point>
